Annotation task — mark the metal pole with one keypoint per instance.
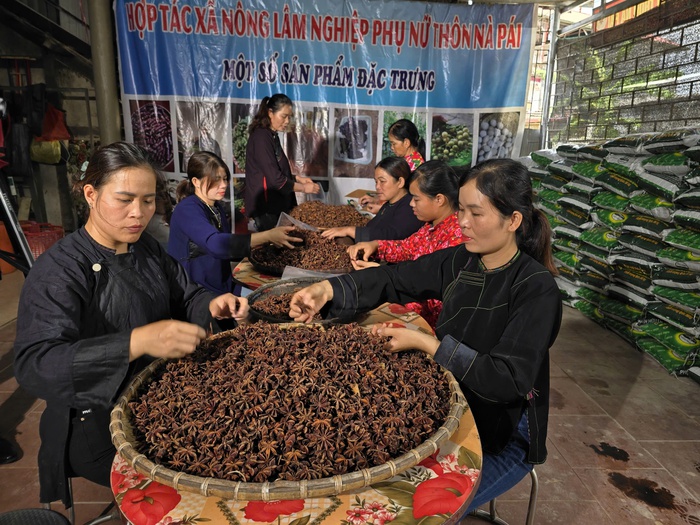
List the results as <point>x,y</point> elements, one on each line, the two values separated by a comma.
<point>551,59</point>
<point>104,66</point>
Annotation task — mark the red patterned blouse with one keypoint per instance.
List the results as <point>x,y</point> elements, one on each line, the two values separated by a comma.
<point>427,239</point>
<point>414,160</point>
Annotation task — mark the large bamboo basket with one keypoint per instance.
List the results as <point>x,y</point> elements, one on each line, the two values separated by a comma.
<point>123,439</point>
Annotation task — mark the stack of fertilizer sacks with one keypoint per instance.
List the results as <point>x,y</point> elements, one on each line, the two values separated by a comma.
<point>625,216</point>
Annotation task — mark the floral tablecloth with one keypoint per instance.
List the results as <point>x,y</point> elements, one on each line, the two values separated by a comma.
<point>436,491</point>
<point>245,274</point>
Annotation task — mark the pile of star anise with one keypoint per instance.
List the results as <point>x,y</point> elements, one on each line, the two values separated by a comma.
<point>274,305</point>
<point>266,402</point>
<point>314,253</point>
<point>322,215</point>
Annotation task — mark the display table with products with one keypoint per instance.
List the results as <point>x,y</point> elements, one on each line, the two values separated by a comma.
<point>439,488</point>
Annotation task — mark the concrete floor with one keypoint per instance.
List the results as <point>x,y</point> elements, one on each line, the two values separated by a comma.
<point>624,435</point>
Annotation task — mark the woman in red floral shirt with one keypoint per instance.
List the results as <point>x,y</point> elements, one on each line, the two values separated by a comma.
<point>434,187</point>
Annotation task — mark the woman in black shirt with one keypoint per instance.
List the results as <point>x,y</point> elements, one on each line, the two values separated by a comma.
<point>501,314</point>
<point>395,220</point>
<point>269,183</point>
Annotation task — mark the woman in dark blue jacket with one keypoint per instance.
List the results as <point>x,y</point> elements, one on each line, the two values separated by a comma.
<point>200,232</point>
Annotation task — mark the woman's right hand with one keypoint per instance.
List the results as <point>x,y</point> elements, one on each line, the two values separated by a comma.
<point>366,248</point>
<point>308,301</point>
<point>361,265</point>
<point>280,236</point>
<point>374,207</point>
<point>311,187</point>
<point>168,338</point>
<point>370,203</point>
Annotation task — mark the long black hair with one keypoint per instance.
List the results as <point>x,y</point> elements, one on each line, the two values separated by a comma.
<point>435,177</point>
<point>274,103</point>
<point>205,166</point>
<point>507,185</point>
<point>397,168</point>
<point>404,129</point>
<point>112,158</point>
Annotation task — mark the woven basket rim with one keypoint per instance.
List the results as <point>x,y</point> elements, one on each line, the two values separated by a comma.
<point>281,489</point>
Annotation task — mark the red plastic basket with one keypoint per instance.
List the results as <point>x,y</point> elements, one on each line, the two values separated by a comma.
<point>40,235</point>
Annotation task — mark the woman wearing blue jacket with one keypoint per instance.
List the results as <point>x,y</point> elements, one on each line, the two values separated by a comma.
<point>200,232</point>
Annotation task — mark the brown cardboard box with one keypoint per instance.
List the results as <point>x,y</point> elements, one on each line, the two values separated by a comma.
<point>354,196</point>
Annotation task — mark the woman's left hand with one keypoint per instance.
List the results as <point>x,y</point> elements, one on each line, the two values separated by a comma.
<point>359,264</point>
<point>228,305</point>
<point>406,339</point>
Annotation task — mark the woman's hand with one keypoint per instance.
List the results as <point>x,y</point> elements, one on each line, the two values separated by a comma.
<point>371,203</point>
<point>361,265</point>
<point>169,338</point>
<point>344,231</point>
<point>280,236</point>
<point>311,187</point>
<point>406,339</point>
<point>367,199</point>
<point>228,306</point>
<point>366,248</point>
<point>308,302</point>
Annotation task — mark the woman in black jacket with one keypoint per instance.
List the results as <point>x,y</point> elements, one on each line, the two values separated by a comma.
<point>395,220</point>
<point>501,314</point>
<point>269,184</point>
<point>95,309</point>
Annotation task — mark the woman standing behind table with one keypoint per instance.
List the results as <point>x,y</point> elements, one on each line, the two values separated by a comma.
<point>269,184</point>
<point>395,219</point>
<point>95,309</point>
<point>406,142</point>
<point>501,314</point>
<point>434,192</point>
<point>200,232</point>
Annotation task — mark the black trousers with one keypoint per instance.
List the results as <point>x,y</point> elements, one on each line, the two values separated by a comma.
<point>90,449</point>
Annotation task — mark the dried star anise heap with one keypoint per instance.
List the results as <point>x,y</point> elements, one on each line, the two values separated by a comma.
<point>276,306</point>
<point>315,253</point>
<point>323,215</point>
<point>265,402</point>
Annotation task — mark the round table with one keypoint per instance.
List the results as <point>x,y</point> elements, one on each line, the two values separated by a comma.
<point>247,276</point>
<point>439,488</point>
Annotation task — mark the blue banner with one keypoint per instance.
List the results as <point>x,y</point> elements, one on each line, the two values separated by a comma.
<point>351,51</point>
<point>194,71</point>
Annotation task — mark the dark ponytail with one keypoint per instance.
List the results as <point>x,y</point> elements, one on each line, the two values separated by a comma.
<point>274,104</point>
<point>205,166</point>
<point>507,184</point>
<point>435,177</point>
<point>405,129</point>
